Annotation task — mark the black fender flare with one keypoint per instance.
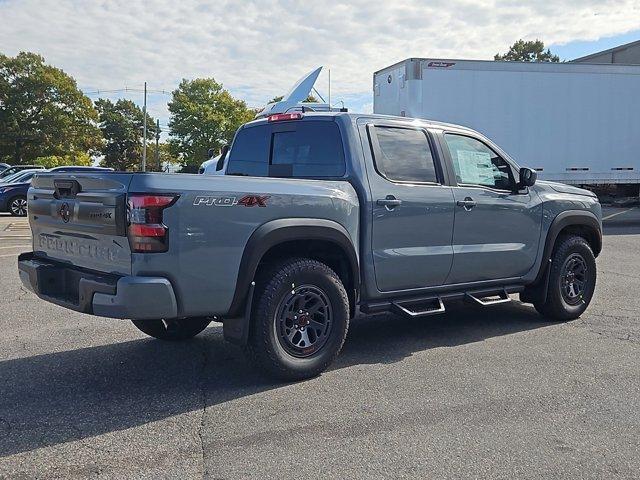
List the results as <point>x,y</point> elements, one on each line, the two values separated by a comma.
<point>538,289</point>
<point>261,241</point>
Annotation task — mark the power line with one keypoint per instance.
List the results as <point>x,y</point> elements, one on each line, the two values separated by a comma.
<point>127,89</point>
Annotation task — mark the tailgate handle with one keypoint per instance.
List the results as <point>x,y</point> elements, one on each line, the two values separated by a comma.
<point>66,188</point>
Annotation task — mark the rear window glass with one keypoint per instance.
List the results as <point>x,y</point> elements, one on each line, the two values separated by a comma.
<point>313,149</point>
<point>293,149</point>
<point>250,153</point>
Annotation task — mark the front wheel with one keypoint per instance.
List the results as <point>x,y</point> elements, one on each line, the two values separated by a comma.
<point>173,330</point>
<point>18,206</point>
<point>299,321</point>
<point>572,280</point>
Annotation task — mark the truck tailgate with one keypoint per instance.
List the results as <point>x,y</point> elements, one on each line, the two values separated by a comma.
<point>80,219</point>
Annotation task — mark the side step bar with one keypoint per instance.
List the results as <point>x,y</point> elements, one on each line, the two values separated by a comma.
<point>428,307</point>
<point>415,307</point>
<point>503,297</point>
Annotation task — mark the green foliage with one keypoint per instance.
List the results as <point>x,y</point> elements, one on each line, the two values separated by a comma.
<point>121,124</point>
<point>80,158</point>
<point>527,51</point>
<point>42,112</point>
<point>203,115</point>
<point>164,154</point>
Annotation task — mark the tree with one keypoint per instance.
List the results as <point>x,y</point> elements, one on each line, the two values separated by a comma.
<point>165,157</point>
<point>42,111</point>
<point>527,51</point>
<point>203,115</point>
<point>80,158</point>
<point>121,124</point>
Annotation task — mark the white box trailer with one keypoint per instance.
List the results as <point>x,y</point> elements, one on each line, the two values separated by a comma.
<point>574,123</point>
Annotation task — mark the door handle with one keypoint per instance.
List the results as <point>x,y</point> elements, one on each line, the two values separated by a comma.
<point>390,202</point>
<point>468,203</point>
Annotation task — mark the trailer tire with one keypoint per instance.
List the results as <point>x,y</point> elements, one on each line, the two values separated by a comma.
<point>173,330</point>
<point>299,320</point>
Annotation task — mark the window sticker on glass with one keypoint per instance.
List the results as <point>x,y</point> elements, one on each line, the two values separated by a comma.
<point>475,167</point>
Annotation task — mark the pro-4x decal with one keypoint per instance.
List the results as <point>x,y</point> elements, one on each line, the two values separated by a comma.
<point>230,201</point>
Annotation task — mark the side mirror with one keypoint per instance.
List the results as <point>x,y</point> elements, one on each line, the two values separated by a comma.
<point>211,153</point>
<point>528,177</point>
<point>223,155</point>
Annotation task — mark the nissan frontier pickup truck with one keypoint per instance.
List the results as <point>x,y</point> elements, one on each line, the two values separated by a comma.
<point>318,216</point>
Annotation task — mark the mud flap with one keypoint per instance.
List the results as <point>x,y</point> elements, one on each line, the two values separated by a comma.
<point>537,293</point>
<point>236,330</point>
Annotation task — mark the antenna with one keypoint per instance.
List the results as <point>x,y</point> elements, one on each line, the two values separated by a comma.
<point>329,88</point>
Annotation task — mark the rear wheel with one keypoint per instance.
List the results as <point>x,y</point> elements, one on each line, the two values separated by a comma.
<point>299,321</point>
<point>173,330</point>
<point>18,206</point>
<point>572,280</point>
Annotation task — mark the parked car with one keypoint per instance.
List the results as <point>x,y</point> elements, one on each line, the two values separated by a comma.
<point>3,167</point>
<point>79,168</point>
<point>318,216</point>
<point>16,168</point>
<point>15,178</point>
<point>210,167</point>
<point>13,196</point>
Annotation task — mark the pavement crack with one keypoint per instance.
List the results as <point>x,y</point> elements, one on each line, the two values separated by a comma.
<point>627,275</point>
<point>203,400</point>
<point>5,425</point>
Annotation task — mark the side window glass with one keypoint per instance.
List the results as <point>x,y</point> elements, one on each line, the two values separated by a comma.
<point>476,164</point>
<point>404,155</point>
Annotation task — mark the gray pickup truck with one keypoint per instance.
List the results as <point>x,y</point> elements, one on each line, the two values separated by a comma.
<point>319,216</point>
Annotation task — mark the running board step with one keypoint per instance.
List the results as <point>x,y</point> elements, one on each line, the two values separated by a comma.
<point>419,308</point>
<point>488,300</point>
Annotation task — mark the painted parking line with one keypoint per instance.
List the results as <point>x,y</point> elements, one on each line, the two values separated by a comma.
<point>15,246</point>
<point>608,217</point>
<point>14,255</point>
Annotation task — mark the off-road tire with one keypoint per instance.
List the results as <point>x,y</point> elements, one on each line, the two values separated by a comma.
<point>173,330</point>
<point>265,348</point>
<point>556,307</point>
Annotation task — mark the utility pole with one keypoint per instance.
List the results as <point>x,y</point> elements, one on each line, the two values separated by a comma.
<point>157,141</point>
<point>144,128</point>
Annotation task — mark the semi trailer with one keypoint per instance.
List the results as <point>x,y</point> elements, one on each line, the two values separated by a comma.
<point>574,123</point>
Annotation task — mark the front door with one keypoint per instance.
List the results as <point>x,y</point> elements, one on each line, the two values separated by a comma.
<point>497,227</point>
<point>412,210</point>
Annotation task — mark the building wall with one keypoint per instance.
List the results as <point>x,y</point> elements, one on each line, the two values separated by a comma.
<point>629,55</point>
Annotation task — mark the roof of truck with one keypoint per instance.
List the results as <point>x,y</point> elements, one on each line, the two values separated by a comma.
<point>373,116</point>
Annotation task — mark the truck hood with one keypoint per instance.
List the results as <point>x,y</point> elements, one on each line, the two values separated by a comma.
<point>564,188</point>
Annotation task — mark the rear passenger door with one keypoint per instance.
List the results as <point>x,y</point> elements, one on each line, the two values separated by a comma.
<point>497,225</point>
<point>413,210</point>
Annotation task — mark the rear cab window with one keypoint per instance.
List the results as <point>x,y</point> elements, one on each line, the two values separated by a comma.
<point>299,149</point>
<point>403,154</point>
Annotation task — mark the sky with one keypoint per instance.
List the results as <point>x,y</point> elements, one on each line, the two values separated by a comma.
<point>258,49</point>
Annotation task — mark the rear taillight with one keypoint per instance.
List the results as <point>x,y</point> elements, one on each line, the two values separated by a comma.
<point>147,233</point>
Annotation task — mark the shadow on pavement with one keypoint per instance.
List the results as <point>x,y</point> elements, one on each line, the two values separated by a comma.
<point>65,396</point>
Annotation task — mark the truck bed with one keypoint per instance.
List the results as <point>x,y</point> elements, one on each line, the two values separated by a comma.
<point>208,226</point>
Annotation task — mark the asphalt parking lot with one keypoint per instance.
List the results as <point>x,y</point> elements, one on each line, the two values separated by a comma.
<point>474,393</point>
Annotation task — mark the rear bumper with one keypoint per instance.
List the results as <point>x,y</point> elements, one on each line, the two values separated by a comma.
<point>96,293</point>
